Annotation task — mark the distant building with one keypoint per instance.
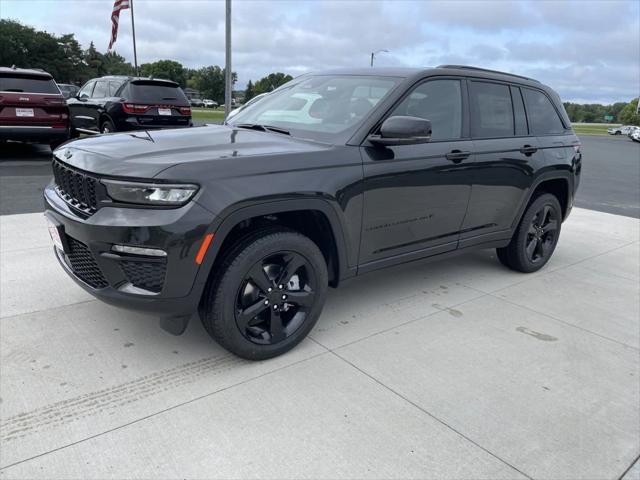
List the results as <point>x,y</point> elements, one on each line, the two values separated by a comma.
<point>192,93</point>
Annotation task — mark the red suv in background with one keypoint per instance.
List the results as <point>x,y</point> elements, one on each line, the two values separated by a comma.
<point>32,108</point>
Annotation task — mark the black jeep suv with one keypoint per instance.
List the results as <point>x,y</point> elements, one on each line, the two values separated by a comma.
<point>330,176</point>
<point>118,103</point>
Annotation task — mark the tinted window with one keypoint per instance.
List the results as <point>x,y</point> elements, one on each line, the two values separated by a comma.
<point>439,101</point>
<point>518,112</point>
<point>113,88</point>
<point>27,84</point>
<point>86,90</point>
<point>101,90</point>
<point>543,118</point>
<point>491,110</point>
<point>156,92</point>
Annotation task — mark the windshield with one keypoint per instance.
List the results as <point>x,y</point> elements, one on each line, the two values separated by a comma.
<point>320,107</point>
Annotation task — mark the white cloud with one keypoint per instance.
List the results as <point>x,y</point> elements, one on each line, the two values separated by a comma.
<point>587,50</point>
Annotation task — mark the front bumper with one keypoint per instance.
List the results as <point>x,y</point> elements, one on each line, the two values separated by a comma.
<point>36,134</point>
<point>169,286</point>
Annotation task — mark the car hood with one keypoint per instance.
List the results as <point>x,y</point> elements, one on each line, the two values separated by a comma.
<point>144,155</point>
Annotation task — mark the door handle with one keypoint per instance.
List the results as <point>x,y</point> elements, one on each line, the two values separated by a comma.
<point>456,156</point>
<point>528,150</point>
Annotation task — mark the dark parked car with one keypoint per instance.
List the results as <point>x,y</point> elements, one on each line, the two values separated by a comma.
<point>116,104</point>
<point>68,90</point>
<point>32,109</point>
<point>250,222</point>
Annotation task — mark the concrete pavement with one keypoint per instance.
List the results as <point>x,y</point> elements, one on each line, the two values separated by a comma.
<point>457,369</point>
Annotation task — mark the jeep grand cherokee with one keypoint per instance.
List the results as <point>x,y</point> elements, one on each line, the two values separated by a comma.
<point>250,222</point>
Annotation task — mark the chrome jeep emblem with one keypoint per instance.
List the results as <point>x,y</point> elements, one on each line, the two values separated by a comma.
<point>24,99</point>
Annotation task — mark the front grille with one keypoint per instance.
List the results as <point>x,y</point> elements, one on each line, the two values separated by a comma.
<point>84,265</point>
<point>76,187</point>
<point>146,275</point>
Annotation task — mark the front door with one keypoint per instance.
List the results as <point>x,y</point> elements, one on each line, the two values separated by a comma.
<point>416,196</point>
<point>79,108</point>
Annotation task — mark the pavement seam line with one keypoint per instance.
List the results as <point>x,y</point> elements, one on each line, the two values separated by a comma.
<point>438,310</point>
<point>621,477</point>
<point>551,317</point>
<point>426,412</point>
<point>550,270</point>
<point>47,309</point>
<point>159,412</point>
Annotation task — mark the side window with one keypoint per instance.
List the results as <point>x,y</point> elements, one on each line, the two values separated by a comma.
<point>543,118</point>
<point>491,110</point>
<point>86,90</point>
<point>439,101</point>
<point>113,88</point>
<point>518,111</point>
<point>101,90</point>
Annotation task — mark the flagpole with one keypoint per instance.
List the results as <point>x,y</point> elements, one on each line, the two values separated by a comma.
<point>133,31</point>
<point>228,83</point>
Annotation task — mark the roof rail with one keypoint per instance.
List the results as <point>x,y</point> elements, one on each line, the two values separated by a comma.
<point>478,69</point>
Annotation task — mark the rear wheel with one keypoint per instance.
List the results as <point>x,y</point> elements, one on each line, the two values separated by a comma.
<point>267,296</point>
<point>107,127</point>
<point>536,237</point>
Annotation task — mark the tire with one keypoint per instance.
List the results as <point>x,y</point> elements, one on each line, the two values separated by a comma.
<point>536,237</point>
<point>248,283</point>
<point>107,127</point>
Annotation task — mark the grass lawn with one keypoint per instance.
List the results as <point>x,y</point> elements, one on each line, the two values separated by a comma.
<point>208,114</point>
<point>591,128</point>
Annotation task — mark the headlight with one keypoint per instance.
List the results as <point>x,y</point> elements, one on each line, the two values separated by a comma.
<point>150,193</point>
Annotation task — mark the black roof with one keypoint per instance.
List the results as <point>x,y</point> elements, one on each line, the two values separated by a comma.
<point>403,72</point>
<point>133,79</point>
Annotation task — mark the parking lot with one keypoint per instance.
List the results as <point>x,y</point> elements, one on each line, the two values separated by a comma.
<point>456,369</point>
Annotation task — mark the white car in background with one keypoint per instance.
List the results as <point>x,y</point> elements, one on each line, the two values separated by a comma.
<point>208,103</point>
<point>635,134</point>
<point>620,130</point>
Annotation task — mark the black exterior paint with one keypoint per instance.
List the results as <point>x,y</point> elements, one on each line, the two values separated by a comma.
<point>385,205</point>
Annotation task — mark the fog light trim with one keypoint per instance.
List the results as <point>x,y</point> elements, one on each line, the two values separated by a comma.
<point>147,252</point>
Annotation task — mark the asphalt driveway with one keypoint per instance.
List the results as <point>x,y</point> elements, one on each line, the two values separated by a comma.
<point>458,369</point>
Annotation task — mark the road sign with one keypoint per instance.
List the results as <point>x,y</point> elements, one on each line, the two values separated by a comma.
<point>608,118</point>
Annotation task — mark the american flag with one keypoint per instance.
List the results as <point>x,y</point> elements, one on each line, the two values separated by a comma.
<point>115,18</point>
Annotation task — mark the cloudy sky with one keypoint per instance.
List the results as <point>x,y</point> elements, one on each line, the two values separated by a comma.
<point>588,50</point>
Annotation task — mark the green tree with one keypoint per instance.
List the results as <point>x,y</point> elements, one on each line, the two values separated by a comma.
<point>248,92</point>
<point>167,69</point>
<point>210,82</point>
<point>270,82</point>
<point>115,64</point>
<point>629,114</point>
<point>94,61</point>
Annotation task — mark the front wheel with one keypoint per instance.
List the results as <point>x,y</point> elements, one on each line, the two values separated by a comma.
<point>267,296</point>
<point>536,237</point>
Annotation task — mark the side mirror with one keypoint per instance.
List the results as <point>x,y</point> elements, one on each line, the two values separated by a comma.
<point>402,130</point>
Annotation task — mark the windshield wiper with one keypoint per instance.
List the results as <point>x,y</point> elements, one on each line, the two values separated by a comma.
<point>263,128</point>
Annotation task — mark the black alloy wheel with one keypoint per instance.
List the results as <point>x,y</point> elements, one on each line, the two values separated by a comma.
<point>275,297</point>
<point>536,236</point>
<point>541,235</point>
<point>266,294</point>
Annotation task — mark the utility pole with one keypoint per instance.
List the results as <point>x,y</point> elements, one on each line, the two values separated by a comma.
<point>228,84</point>
<point>133,32</point>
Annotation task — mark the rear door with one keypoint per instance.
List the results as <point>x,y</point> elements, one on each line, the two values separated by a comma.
<point>507,156</point>
<point>79,109</point>
<point>416,196</point>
